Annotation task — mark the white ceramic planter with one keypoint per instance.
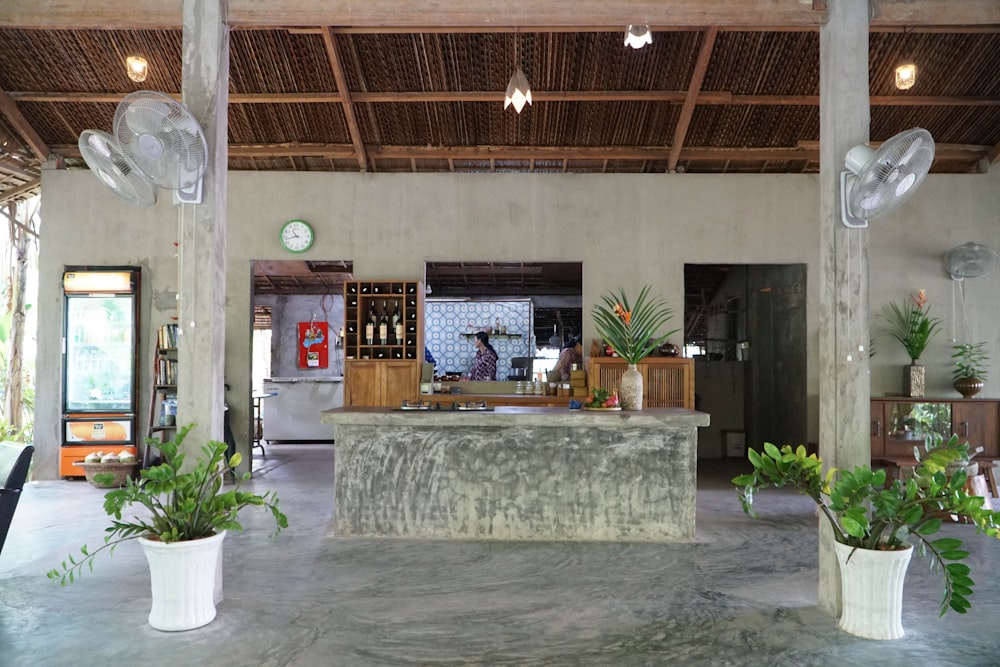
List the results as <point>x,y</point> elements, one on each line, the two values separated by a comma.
<point>872,587</point>
<point>182,577</point>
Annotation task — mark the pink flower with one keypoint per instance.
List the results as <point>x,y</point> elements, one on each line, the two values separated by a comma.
<point>920,298</point>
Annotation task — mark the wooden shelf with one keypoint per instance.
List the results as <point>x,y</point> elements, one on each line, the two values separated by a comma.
<point>510,335</point>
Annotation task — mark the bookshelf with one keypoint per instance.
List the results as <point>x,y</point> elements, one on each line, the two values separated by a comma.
<point>163,397</point>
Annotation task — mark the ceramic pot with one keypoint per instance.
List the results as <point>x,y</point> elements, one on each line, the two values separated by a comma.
<point>183,578</point>
<point>913,380</point>
<point>630,389</point>
<point>872,590</point>
<point>968,387</point>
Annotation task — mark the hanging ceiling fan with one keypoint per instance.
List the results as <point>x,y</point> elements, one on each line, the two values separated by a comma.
<point>877,181</point>
<point>157,141</point>
<point>970,260</point>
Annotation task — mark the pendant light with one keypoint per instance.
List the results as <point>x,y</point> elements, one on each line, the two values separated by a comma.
<point>906,75</point>
<point>518,89</point>
<point>136,68</point>
<point>638,36</point>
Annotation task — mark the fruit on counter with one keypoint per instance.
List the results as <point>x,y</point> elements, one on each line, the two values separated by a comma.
<point>93,457</point>
<point>602,398</point>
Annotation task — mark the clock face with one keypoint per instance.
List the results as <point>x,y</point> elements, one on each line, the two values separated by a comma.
<point>297,236</point>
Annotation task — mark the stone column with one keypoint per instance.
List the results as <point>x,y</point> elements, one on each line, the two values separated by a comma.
<point>845,386</point>
<point>202,251</point>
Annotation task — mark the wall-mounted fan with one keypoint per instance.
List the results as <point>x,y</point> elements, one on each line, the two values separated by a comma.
<point>970,260</point>
<point>878,181</point>
<point>157,141</point>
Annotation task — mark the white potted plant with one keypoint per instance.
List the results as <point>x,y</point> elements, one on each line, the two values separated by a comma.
<point>188,514</point>
<point>876,525</point>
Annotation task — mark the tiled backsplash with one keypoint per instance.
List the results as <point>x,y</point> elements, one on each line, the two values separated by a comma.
<point>445,322</point>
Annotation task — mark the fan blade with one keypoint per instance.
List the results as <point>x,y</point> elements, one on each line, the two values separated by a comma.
<point>104,157</point>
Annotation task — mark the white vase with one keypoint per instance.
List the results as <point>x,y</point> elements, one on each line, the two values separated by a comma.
<point>630,389</point>
<point>182,577</point>
<point>872,588</point>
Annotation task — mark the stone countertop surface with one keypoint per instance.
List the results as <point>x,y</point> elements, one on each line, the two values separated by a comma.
<point>518,416</point>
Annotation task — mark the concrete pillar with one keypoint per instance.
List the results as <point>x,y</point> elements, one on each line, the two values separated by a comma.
<point>845,386</point>
<point>202,252</point>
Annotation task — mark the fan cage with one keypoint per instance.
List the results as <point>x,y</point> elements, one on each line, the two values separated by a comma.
<point>113,168</point>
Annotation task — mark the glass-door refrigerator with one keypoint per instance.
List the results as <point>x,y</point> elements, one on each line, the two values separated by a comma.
<point>100,363</point>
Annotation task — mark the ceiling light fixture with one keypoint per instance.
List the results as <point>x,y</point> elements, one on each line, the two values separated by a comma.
<point>638,36</point>
<point>906,75</point>
<point>136,67</point>
<point>518,91</point>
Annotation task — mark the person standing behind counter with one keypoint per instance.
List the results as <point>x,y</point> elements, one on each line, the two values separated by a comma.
<point>571,354</point>
<point>484,366</point>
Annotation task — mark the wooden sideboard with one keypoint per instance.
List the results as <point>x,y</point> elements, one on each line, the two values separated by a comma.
<point>667,382</point>
<point>898,423</point>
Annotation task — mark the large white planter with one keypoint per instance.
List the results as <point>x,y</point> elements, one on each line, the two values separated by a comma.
<point>872,587</point>
<point>182,577</point>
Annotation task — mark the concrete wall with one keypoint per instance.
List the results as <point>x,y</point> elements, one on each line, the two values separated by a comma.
<point>627,230</point>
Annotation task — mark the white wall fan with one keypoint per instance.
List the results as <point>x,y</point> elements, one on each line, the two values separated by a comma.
<point>877,181</point>
<point>970,260</point>
<point>157,143</point>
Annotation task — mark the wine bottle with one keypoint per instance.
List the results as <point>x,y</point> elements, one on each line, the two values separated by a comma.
<point>397,324</point>
<point>383,326</point>
<point>370,326</point>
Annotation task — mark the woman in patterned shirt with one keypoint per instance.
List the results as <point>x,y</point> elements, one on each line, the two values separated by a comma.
<point>484,366</point>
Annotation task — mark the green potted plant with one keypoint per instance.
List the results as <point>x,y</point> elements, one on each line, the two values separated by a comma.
<point>971,363</point>
<point>874,521</point>
<point>633,332</point>
<point>911,325</point>
<point>186,518</point>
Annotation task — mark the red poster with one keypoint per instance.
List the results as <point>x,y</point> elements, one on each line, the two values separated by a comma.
<point>312,345</point>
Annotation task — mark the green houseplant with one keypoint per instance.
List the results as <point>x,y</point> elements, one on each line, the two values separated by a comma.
<point>866,513</point>
<point>181,508</point>
<point>971,363</point>
<point>910,324</point>
<point>633,330</point>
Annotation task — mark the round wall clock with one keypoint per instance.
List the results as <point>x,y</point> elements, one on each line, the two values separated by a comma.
<point>296,236</point>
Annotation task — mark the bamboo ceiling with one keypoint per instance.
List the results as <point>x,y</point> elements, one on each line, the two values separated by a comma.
<point>722,99</point>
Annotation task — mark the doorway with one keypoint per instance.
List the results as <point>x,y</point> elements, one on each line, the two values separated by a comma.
<point>745,326</point>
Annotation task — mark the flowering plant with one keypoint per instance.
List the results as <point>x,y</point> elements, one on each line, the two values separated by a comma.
<point>911,324</point>
<point>631,329</point>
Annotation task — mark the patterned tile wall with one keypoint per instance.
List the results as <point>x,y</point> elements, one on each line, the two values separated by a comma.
<point>445,322</point>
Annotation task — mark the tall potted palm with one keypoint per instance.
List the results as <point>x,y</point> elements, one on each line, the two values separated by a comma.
<point>186,516</point>
<point>632,329</point>
<point>876,525</point>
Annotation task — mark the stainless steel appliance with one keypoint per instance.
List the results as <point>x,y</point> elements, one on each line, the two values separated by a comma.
<point>292,413</point>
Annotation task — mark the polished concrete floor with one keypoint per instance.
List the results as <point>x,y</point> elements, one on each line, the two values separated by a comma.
<point>744,592</point>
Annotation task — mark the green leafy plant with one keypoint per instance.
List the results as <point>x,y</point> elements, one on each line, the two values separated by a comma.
<point>867,513</point>
<point>181,506</point>
<point>910,324</point>
<point>632,329</point>
<point>971,361</point>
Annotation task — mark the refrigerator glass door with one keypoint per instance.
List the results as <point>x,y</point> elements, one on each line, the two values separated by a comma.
<point>99,353</point>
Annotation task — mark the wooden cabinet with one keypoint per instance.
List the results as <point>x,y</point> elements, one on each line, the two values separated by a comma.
<point>899,424</point>
<point>667,382</point>
<point>383,341</point>
<point>381,383</point>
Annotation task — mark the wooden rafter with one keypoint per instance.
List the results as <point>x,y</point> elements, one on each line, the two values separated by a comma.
<point>807,151</point>
<point>691,100</point>
<point>8,107</point>
<point>20,191</point>
<point>332,52</point>
<point>994,155</point>
<point>704,98</point>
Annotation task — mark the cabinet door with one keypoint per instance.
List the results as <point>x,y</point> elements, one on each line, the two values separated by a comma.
<point>664,386</point>
<point>609,376</point>
<point>400,382</point>
<point>978,423</point>
<point>361,383</point>
<point>877,429</point>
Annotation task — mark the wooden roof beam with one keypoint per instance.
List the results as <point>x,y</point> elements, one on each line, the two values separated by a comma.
<point>694,87</point>
<point>16,119</point>
<point>704,98</point>
<point>332,52</point>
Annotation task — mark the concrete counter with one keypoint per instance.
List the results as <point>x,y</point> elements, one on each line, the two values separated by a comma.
<point>516,473</point>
